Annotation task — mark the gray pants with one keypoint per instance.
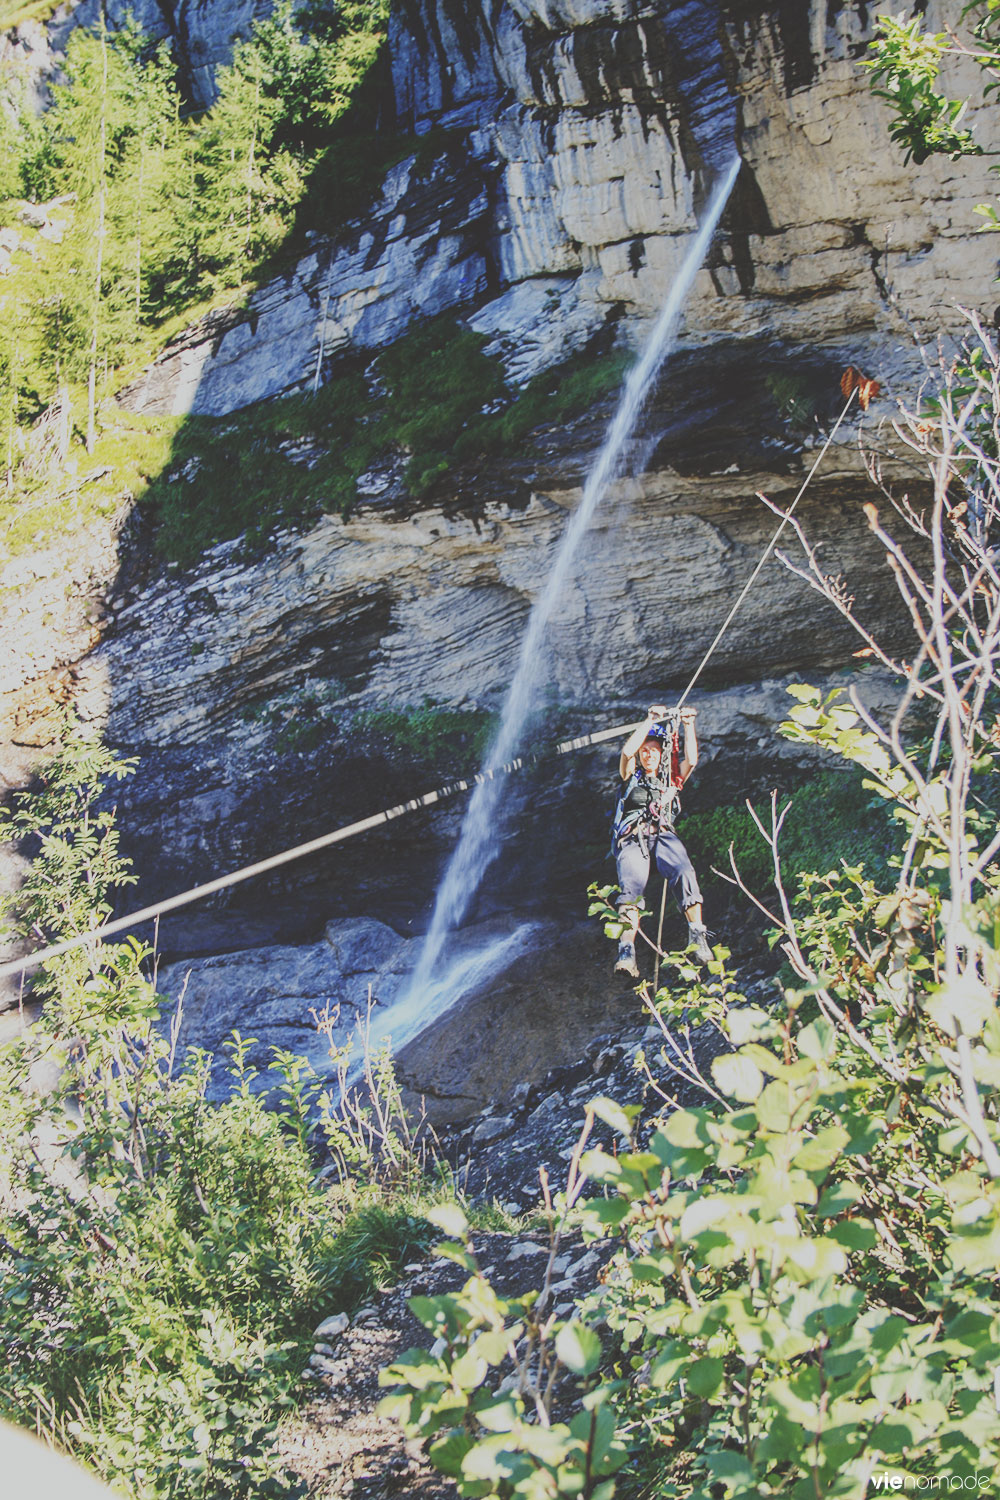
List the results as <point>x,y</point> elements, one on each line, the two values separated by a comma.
<point>672,861</point>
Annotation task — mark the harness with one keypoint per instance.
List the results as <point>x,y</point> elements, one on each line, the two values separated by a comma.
<point>647,804</point>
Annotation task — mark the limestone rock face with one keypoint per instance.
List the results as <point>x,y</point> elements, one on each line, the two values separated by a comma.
<point>395,611</point>
<point>422,250</point>
<point>582,141</point>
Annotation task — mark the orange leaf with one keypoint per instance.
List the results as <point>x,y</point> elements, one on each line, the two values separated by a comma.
<point>867,391</point>
<point>849,381</point>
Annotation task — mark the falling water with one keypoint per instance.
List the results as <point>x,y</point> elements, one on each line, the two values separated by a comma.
<point>428,995</point>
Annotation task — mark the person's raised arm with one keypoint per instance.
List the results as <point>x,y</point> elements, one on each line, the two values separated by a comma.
<point>690,757</point>
<point>630,749</point>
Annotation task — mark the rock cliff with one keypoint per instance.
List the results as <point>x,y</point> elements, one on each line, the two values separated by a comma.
<point>581,140</point>
<point>201,32</point>
<point>572,144</point>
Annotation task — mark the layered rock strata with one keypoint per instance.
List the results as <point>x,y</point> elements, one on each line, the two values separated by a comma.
<point>582,140</point>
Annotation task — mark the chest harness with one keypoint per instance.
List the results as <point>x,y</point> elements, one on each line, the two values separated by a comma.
<point>649,803</point>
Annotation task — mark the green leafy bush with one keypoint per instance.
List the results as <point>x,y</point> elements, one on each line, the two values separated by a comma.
<point>905,66</point>
<point>164,1259</point>
<point>432,735</point>
<point>804,1293</point>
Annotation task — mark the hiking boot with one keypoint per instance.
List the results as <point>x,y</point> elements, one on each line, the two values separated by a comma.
<point>698,942</point>
<point>626,959</point>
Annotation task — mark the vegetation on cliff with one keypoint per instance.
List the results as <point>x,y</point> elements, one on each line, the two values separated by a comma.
<point>433,396</point>
<point>125,216</point>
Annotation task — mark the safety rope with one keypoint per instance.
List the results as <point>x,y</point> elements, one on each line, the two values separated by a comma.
<point>767,553</point>
<point>451,789</point>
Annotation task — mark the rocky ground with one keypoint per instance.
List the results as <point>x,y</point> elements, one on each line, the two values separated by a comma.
<point>340,1445</point>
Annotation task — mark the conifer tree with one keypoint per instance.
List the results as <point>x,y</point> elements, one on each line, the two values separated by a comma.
<point>107,141</point>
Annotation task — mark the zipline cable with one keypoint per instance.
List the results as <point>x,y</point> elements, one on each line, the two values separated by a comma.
<point>451,789</point>
<point>172,903</point>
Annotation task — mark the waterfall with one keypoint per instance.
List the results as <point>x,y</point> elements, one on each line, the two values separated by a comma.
<point>429,994</point>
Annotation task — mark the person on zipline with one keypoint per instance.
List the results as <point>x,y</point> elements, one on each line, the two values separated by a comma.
<point>644,824</point>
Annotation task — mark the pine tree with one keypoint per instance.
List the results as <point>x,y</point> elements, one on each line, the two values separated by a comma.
<point>141,175</point>
<point>107,141</point>
<point>239,208</point>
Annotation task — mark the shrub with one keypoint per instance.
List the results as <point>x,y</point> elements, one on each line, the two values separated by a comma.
<point>432,735</point>
<point>832,820</point>
<point>163,1258</point>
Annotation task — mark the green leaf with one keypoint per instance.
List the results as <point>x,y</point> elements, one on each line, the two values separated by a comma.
<point>965,1003</point>
<point>450,1219</point>
<point>748,1023</point>
<point>738,1076</point>
<point>854,1234</point>
<point>448,1452</point>
<point>704,1212</point>
<point>436,1313</point>
<point>492,1345</point>
<point>499,1413</point>
<point>578,1348</point>
<point>448,1250</point>
<point>613,1114</point>
<point>669,1364</point>
<point>774,1108</point>
<point>596,1430</point>
<point>732,1469</point>
<point>819,1153</point>
<point>651,1268</point>
<point>469,1370</point>
<point>687,1127</point>
<point>609,1212</point>
<point>818,1040</point>
<point>705,1376</point>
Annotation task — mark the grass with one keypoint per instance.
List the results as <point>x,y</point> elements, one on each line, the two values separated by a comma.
<point>431,736</point>
<point>436,398</point>
<point>130,452</point>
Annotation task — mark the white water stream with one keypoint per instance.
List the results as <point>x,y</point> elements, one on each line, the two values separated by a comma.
<point>430,992</point>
